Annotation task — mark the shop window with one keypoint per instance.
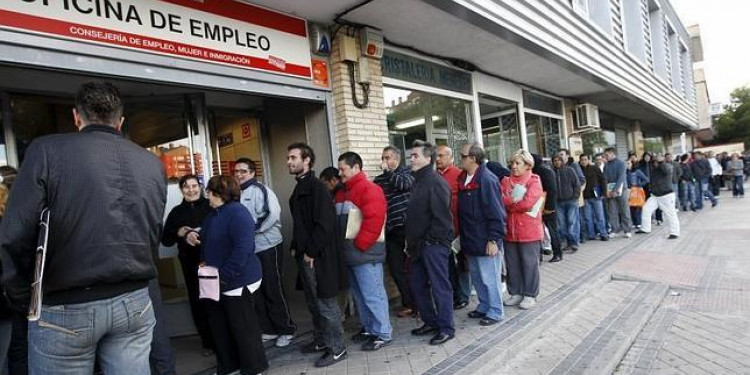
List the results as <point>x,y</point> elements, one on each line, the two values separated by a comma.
<point>501,134</point>
<point>413,115</point>
<point>598,141</point>
<point>544,134</point>
<point>654,145</point>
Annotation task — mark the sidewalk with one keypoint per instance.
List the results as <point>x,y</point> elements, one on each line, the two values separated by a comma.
<point>634,306</point>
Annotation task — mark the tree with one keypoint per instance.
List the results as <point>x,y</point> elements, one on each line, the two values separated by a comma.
<point>734,124</point>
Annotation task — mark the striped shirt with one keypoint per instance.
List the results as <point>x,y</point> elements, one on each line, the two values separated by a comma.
<point>397,187</point>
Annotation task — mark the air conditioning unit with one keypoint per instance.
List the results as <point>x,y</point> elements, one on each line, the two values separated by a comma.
<point>587,116</point>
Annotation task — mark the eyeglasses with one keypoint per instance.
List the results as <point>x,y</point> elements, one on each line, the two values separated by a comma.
<point>241,171</point>
<point>464,156</point>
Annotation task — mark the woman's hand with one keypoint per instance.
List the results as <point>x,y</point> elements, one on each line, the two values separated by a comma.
<point>183,231</point>
<point>193,239</point>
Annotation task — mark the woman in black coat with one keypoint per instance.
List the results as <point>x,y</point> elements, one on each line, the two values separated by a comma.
<point>185,217</point>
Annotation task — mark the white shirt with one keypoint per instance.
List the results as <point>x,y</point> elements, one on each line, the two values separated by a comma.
<point>468,178</point>
<point>238,292</point>
<point>716,169</point>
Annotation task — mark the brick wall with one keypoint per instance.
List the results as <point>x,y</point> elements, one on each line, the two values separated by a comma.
<point>363,131</point>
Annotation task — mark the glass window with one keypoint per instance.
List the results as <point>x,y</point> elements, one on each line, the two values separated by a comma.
<point>501,134</point>
<point>35,116</point>
<point>653,145</point>
<point>413,115</point>
<point>542,103</point>
<point>543,134</point>
<point>598,141</point>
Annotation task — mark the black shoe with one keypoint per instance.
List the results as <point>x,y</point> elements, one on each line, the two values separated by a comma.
<point>313,347</point>
<point>555,259</point>
<point>330,358</point>
<point>673,237</point>
<point>641,232</point>
<point>547,252</point>
<point>714,204</point>
<point>573,249</point>
<point>604,238</point>
<point>440,338</point>
<point>362,336</point>
<point>460,305</point>
<point>375,343</point>
<point>424,330</point>
<point>488,321</point>
<point>476,315</point>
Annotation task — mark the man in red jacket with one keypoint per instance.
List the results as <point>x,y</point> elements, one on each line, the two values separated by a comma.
<point>365,253</point>
<point>459,273</point>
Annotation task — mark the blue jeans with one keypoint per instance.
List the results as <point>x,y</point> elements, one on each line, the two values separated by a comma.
<point>569,221</point>
<point>485,274</point>
<point>687,195</point>
<point>366,285</point>
<point>68,338</point>
<point>738,189</point>
<point>702,187</point>
<point>594,212</point>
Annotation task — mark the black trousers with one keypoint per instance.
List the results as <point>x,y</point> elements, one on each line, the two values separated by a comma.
<point>189,261</point>
<point>236,334</point>
<point>395,242</point>
<point>271,304</point>
<point>550,221</point>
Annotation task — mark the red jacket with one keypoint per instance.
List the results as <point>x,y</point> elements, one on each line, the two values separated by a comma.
<point>522,227</point>
<point>451,175</point>
<point>369,199</point>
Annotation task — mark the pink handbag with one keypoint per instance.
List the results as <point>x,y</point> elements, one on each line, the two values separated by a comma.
<point>208,282</point>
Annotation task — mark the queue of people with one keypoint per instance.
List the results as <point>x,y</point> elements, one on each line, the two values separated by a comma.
<point>440,229</point>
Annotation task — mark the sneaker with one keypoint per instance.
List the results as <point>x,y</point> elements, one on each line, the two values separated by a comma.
<point>513,300</point>
<point>375,344</point>
<point>330,358</point>
<point>460,305</point>
<point>612,235</point>
<point>527,303</point>
<point>604,238</point>
<point>313,347</point>
<point>628,235</point>
<point>284,340</point>
<point>362,336</point>
<point>266,337</point>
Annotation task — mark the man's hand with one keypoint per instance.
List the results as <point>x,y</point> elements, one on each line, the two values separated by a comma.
<point>309,261</point>
<point>492,248</point>
<point>193,239</point>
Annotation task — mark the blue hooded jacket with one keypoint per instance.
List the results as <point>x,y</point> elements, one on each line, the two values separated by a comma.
<point>481,214</point>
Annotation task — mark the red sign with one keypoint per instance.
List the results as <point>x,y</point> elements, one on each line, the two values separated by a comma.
<point>320,73</point>
<point>218,31</point>
<point>247,131</point>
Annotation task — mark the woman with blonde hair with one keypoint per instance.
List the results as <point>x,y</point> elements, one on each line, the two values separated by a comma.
<point>523,198</point>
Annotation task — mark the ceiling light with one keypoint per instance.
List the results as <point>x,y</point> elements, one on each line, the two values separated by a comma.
<point>413,123</point>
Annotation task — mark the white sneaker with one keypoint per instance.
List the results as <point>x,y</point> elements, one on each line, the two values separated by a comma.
<point>284,340</point>
<point>513,300</point>
<point>527,303</point>
<point>612,235</point>
<point>628,235</point>
<point>266,337</point>
<point>504,288</point>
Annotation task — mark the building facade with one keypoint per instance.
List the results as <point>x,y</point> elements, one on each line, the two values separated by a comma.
<point>208,81</point>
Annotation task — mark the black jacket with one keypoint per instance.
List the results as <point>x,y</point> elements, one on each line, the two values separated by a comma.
<point>106,197</point>
<point>549,182</point>
<point>190,214</point>
<point>429,212</point>
<point>595,182</point>
<point>687,172</point>
<point>568,185</point>
<point>661,178</point>
<point>396,186</point>
<point>701,169</point>
<point>315,234</point>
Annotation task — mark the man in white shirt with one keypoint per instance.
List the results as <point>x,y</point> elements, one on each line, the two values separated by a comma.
<point>716,172</point>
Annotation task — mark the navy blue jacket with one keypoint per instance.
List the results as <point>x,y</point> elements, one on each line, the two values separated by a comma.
<point>481,214</point>
<point>228,239</point>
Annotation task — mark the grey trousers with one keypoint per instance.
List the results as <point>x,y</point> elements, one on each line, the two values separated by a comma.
<point>325,312</point>
<point>618,211</point>
<point>522,264</point>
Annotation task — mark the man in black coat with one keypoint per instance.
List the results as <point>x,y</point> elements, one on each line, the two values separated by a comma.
<point>549,216</point>
<point>429,232</point>
<point>316,248</point>
<point>106,197</point>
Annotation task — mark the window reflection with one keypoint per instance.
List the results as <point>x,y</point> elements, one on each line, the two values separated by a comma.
<point>501,134</point>
<point>413,115</point>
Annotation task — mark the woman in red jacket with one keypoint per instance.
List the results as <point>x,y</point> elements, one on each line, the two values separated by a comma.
<point>523,200</point>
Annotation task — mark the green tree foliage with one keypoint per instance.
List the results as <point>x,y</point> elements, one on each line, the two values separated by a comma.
<point>734,124</point>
